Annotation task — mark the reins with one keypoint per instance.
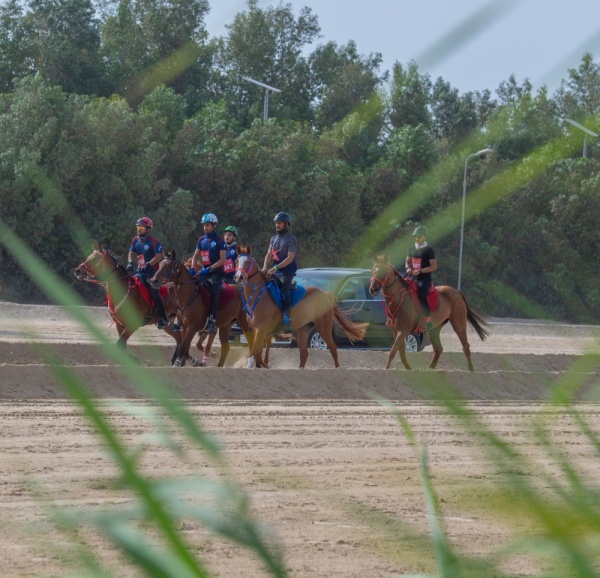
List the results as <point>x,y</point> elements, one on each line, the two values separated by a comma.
<point>248,304</point>
<point>389,299</point>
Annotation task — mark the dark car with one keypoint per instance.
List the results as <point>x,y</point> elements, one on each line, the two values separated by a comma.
<point>351,290</point>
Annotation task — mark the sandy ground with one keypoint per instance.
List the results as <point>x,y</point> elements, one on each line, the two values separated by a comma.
<point>326,467</point>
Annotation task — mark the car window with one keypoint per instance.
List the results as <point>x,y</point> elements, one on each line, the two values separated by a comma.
<point>353,288</point>
<point>320,282</point>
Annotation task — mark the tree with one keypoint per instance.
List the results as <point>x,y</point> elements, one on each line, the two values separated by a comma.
<point>579,96</point>
<point>342,80</point>
<point>62,42</point>
<point>267,45</point>
<point>410,96</point>
<point>12,44</point>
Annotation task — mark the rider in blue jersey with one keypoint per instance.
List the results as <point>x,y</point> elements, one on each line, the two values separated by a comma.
<point>147,251</point>
<point>210,251</point>
<point>280,261</point>
<point>230,237</point>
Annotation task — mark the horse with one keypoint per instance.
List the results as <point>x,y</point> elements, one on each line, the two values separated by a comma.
<point>404,314</point>
<point>127,307</point>
<point>316,308</point>
<point>193,309</point>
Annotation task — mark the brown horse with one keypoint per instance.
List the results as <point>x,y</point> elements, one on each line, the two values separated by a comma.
<point>193,310</point>
<point>315,308</point>
<point>126,305</point>
<point>403,316</point>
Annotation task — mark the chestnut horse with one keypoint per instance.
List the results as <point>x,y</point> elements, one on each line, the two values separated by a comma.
<point>193,310</point>
<point>123,295</point>
<point>315,308</point>
<point>403,316</point>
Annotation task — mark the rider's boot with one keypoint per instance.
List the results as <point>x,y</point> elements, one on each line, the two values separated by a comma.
<point>162,313</point>
<point>287,320</point>
<point>211,325</point>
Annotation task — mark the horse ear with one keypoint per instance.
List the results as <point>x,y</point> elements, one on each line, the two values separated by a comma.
<point>380,258</point>
<point>173,254</point>
<point>97,246</point>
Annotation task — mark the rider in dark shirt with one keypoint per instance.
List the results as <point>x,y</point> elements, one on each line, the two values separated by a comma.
<point>420,264</point>
<point>280,261</point>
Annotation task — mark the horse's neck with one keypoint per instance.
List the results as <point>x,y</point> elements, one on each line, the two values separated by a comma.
<point>117,280</point>
<point>396,287</point>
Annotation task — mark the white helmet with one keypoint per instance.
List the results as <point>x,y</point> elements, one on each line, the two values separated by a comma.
<point>209,218</point>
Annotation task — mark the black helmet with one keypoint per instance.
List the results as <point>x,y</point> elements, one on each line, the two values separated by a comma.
<point>285,217</point>
<point>421,231</point>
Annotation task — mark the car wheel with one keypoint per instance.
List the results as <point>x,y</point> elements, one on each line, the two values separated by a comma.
<point>315,340</point>
<point>414,342</point>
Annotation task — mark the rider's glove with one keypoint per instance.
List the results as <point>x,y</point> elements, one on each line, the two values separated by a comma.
<point>130,267</point>
<point>205,271</point>
<point>192,272</point>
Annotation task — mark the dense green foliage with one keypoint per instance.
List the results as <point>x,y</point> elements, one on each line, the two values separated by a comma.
<point>116,109</point>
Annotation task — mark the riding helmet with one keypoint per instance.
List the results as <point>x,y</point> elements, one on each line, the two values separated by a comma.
<point>283,216</point>
<point>145,222</point>
<point>210,218</point>
<point>231,229</point>
<point>421,231</point>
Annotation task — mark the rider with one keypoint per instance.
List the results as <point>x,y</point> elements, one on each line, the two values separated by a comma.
<point>230,237</point>
<point>421,263</point>
<point>147,251</point>
<point>282,255</point>
<point>211,251</point>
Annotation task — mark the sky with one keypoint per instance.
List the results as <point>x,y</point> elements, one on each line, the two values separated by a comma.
<point>472,44</point>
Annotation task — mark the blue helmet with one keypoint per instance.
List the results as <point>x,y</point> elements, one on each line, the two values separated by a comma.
<point>283,216</point>
<point>209,218</point>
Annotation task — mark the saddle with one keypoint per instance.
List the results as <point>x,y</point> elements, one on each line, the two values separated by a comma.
<point>225,296</point>
<point>297,292</point>
<point>145,292</point>
<point>433,297</point>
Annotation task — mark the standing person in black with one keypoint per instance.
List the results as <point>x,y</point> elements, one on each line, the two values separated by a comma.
<point>282,256</point>
<point>420,264</point>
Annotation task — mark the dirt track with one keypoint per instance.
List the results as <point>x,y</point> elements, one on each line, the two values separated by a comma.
<point>326,467</point>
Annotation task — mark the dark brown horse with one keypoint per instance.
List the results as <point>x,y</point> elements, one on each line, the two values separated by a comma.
<point>315,308</point>
<point>126,305</point>
<point>403,316</point>
<point>193,310</point>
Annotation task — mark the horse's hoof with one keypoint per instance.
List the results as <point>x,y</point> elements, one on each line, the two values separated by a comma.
<point>177,362</point>
<point>195,362</point>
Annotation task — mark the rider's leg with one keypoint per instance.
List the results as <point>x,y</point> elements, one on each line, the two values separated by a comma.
<point>423,292</point>
<point>286,283</point>
<point>215,280</point>
<point>160,306</point>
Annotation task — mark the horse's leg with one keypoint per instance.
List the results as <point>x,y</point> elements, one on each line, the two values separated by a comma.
<point>224,339</point>
<point>399,346</point>
<point>256,352</point>
<point>460,328</point>
<point>302,341</point>
<point>325,328</point>
<point>268,341</point>
<point>434,337</point>
<point>183,352</point>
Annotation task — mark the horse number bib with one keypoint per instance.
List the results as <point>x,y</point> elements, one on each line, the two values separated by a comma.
<point>416,264</point>
<point>229,266</point>
<point>205,257</point>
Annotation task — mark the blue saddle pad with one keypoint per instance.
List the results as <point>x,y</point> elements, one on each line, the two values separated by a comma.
<point>295,294</point>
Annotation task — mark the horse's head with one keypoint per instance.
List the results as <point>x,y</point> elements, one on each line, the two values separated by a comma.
<point>169,269</point>
<point>97,266</point>
<point>381,275</point>
<point>245,266</point>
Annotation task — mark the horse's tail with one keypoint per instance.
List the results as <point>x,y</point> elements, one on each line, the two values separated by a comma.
<point>477,322</point>
<point>354,331</point>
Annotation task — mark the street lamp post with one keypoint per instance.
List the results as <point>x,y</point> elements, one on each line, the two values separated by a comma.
<point>481,154</point>
<point>586,132</point>
<point>267,90</point>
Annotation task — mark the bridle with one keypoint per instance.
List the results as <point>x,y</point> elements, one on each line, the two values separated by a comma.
<point>389,299</point>
<point>256,294</point>
<point>166,276</point>
<point>100,278</point>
